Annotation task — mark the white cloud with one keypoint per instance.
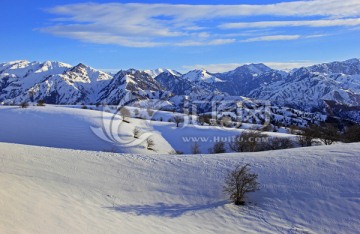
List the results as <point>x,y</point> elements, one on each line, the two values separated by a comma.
<point>150,25</point>
<point>287,66</point>
<point>106,38</point>
<point>214,68</point>
<point>308,23</point>
<point>316,36</point>
<point>201,43</point>
<point>273,38</point>
<point>282,37</point>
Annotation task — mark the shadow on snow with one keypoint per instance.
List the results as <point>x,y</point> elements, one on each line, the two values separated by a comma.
<point>165,210</point>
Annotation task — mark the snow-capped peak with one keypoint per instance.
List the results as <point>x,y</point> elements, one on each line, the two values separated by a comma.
<point>352,61</point>
<point>56,67</point>
<point>156,72</point>
<point>201,75</point>
<point>252,68</point>
<point>87,74</point>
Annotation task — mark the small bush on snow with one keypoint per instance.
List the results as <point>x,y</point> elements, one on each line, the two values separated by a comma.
<point>24,105</point>
<point>195,148</point>
<point>218,148</point>
<point>150,144</point>
<point>239,182</point>
<point>136,132</point>
<point>41,103</point>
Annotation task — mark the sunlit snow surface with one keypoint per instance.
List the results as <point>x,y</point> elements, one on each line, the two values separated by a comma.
<point>50,190</point>
<point>47,190</point>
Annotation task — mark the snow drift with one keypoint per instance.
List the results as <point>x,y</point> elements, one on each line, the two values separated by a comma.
<point>47,190</point>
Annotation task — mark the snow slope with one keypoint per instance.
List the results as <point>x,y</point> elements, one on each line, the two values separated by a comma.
<point>73,128</point>
<point>307,190</point>
<point>64,127</point>
<point>183,138</point>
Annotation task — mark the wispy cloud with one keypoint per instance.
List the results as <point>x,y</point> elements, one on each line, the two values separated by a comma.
<point>273,38</point>
<point>214,68</point>
<point>306,23</point>
<point>282,37</point>
<point>153,25</point>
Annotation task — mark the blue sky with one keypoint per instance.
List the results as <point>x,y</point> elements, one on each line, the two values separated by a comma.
<point>215,35</point>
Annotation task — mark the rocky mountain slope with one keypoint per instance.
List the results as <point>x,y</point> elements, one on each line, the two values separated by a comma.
<point>244,79</point>
<point>325,87</point>
<point>330,88</point>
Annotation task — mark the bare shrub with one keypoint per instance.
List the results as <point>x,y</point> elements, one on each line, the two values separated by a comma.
<point>239,182</point>
<point>204,119</point>
<point>136,112</point>
<point>150,144</point>
<point>195,148</point>
<point>136,132</point>
<point>268,128</point>
<point>277,143</point>
<point>293,129</point>
<point>248,141</point>
<point>150,112</point>
<point>24,105</point>
<point>218,148</point>
<point>201,120</point>
<point>110,150</point>
<point>352,134</point>
<point>226,121</point>
<point>308,136</point>
<point>178,119</point>
<point>125,113</point>
<point>41,103</point>
<point>176,152</point>
<point>328,134</point>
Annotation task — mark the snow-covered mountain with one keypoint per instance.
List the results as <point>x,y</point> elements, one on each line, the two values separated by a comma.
<point>329,88</point>
<point>315,87</point>
<point>181,85</point>
<point>53,82</point>
<point>246,78</point>
<point>132,86</point>
<point>156,72</point>
<point>201,75</point>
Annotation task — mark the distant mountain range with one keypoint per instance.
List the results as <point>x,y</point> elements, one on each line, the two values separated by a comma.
<point>330,88</point>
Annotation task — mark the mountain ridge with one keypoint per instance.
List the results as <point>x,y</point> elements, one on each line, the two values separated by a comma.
<point>306,88</point>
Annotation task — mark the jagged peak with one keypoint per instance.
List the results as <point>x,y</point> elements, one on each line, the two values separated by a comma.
<point>201,75</point>
<point>347,62</point>
<point>349,67</point>
<point>55,64</point>
<point>253,68</point>
<point>198,71</point>
<point>158,71</point>
<point>82,67</point>
<point>352,61</point>
<point>47,63</point>
<point>17,64</point>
